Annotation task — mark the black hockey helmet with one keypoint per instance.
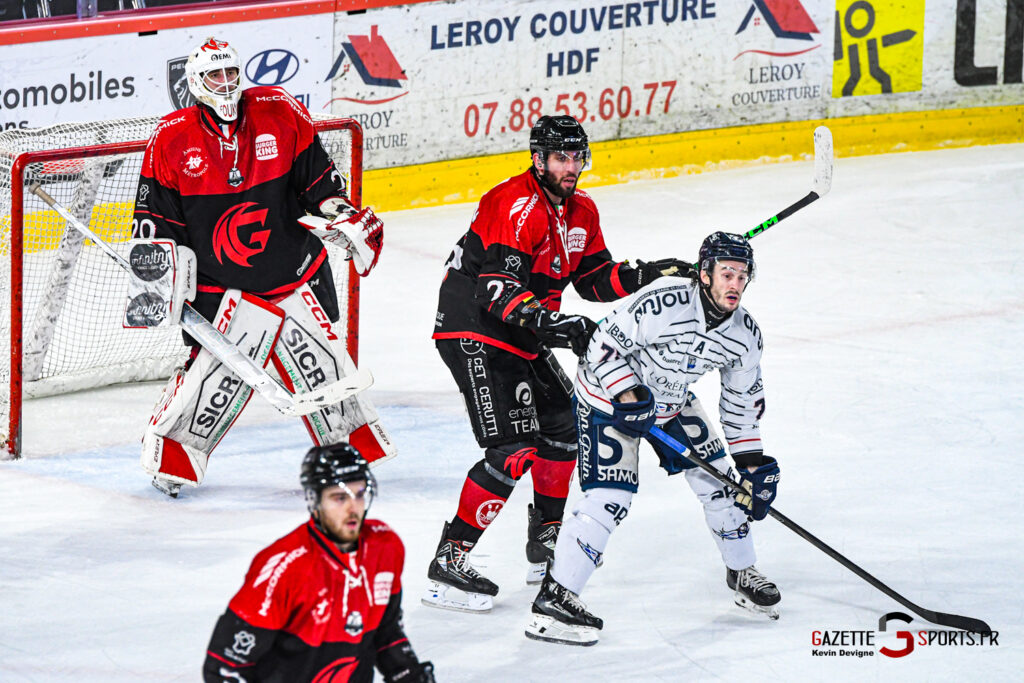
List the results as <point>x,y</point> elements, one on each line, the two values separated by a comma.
<point>334,465</point>
<point>558,134</point>
<point>725,246</point>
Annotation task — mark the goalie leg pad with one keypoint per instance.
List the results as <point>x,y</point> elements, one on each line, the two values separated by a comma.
<point>312,353</point>
<point>200,403</point>
<point>728,524</point>
<point>585,534</point>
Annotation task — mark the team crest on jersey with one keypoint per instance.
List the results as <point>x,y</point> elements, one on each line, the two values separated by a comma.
<point>577,239</point>
<point>244,643</point>
<point>194,163</point>
<point>488,510</point>
<point>354,623</point>
<point>513,262</point>
<point>266,147</point>
<point>556,264</point>
<point>322,609</point>
<point>228,241</point>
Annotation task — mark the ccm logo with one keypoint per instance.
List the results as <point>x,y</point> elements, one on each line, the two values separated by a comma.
<point>225,318</point>
<point>318,313</point>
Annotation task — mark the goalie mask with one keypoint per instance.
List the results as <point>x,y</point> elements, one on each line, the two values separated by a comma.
<point>214,74</point>
<point>335,465</point>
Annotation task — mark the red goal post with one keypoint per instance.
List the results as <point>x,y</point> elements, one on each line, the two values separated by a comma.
<point>61,298</point>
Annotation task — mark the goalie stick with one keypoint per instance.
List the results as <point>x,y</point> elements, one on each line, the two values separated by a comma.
<point>822,181</point>
<point>940,618</point>
<point>250,372</point>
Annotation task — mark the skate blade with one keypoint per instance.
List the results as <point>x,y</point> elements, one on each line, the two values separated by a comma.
<point>169,488</point>
<point>536,573</point>
<point>551,630</point>
<point>770,611</point>
<point>443,596</point>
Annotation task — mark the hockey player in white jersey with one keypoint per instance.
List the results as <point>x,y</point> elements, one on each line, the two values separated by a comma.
<point>636,373</point>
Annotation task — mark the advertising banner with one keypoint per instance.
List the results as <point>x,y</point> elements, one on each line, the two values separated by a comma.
<point>88,79</point>
<point>454,80</point>
<point>436,81</point>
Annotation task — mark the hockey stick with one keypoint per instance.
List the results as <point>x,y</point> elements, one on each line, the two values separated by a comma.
<point>248,370</point>
<point>822,181</point>
<point>940,618</point>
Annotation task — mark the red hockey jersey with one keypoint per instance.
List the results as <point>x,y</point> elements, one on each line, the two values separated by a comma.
<point>310,612</point>
<point>235,196</point>
<point>519,241</point>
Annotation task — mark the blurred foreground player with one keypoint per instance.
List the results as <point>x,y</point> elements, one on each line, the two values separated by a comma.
<point>531,237</point>
<point>636,372</point>
<point>324,602</point>
<point>223,206</point>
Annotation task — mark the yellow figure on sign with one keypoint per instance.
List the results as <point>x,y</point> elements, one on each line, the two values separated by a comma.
<point>879,47</point>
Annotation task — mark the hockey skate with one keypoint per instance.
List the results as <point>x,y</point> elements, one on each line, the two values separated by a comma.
<point>754,592</point>
<point>558,616</point>
<point>540,545</point>
<point>171,488</point>
<point>454,583</point>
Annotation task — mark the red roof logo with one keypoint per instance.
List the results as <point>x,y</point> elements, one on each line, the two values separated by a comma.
<point>786,18</point>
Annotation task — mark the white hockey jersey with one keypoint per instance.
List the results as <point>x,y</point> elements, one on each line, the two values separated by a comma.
<point>658,337</point>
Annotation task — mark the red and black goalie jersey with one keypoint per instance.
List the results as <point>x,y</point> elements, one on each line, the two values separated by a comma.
<point>520,243</point>
<point>309,612</point>
<point>235,196</point>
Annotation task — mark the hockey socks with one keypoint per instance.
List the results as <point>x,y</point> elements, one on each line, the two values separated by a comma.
<point>585,535</point>
<point>727,523</point>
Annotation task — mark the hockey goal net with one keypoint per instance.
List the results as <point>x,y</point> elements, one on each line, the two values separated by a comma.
<point>61,297</point>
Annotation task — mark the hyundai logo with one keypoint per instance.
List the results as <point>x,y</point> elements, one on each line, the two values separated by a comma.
<point>272,67</point>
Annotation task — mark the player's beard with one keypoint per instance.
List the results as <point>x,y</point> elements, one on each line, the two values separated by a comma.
<point>555,186</point>
<point>344,532</point>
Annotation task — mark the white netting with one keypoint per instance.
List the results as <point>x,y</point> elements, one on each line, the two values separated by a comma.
<point>72,294</point>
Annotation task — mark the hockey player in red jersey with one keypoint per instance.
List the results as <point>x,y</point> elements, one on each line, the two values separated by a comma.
<point>531,236</point>
<point>324,602</point>
<point>231,183</point>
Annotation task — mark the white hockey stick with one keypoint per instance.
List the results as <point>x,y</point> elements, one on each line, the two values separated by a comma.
<point>248,370</point>
<point>822,180</point>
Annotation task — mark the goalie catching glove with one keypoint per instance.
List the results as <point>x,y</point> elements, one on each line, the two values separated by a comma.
<point>358,231</point>
<point>162,279</point>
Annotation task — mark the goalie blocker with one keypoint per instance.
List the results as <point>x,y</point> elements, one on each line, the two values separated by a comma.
<point>203,399</point>
<point>163,278</point>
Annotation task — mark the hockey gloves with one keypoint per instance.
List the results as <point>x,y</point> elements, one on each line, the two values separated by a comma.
<point>760,488</point>
<point>652,270</point>
<point>163,279</point>
<point>637,417</point>
<point>360,232</point>
<point>421,672</point>
<point>565,331</point>
<point>551,327</point>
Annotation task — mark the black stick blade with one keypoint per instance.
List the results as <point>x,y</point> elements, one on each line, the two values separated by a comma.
<point>957,621</point>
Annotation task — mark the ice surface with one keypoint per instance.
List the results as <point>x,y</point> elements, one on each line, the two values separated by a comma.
<point>893,314</point>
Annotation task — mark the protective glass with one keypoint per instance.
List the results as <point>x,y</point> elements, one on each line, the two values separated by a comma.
<point>743,275</point>
<point>580,156</point>
<point>363,491</point>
